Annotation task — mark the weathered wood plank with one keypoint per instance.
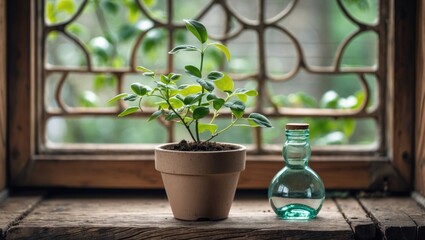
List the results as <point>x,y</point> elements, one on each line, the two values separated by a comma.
<point>3,116</point>
<point>397,218</point>
<point>360,222</point>
<point>133,172</point>
<point>20,74</point>
<point>403,88</point>
<point>420,103</point>
<point>151,218</point>
<point>13,209</point>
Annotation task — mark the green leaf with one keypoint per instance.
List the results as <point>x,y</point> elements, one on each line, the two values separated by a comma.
<point>329,100</point>
<point>190,89</point>
<point>347,103</point>
<point>360,95</point>
<point>176,103</point>
<point>51,12</point>
<point>66,5</point>
<point>140,89</point>
<point>130,97</point>
<point>165,79</point>
<point>128,111</point>
<point>202,127</point>
<point>127,31</point>
<point>101,48</point>
<point>117,97</point>
<point>101,81</point>
<point>143,69</point>
<point>175,77</point>
<point>243,97</point>
<point>301,99</point>
<point>149,3</point>
<point>88,99</point>
<point>215,75</point>
<point>155,115</point>
<point>349,125</point>
<point>132,11</point>
<point>207,85</point>
<point>164,86</point>
<point>243,94</point>
<point>77,29</point>
<point>162,104</point>
<point>225,83</point>
<point>197,29</point>
<point>187,48</point>
<point>258,120</point>
<point>222,48</point>
<point>170,116</point>
<point>237,107</point>
<point>110,6</point>
<point>200,112</point>
<point>149,74</point>
<point>178,96</point>
<point>251,93</point>
<point>218,103</point>
<point>153,39</point>
<point>193,98</point>
<point>194,71</point>
<point>211,96</point>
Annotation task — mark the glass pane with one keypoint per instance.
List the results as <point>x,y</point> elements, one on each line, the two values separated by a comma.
<point>310,61</point>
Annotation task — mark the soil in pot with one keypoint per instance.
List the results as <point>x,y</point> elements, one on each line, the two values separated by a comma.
<point>199,147</point>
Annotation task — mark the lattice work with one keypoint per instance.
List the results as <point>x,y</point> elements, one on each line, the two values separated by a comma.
<point>264,104</point>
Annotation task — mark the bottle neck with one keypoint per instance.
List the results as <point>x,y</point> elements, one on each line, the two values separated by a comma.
<point>297,135</point>
<point>296,150</point>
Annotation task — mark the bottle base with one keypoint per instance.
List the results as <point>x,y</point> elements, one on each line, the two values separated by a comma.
<point>296,212</point>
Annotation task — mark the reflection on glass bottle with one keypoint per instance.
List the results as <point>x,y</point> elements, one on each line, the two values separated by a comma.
<point>296,192</point>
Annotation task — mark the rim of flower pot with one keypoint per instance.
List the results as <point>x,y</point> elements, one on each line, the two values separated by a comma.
<point>200,162</point>
<point>239,148</point>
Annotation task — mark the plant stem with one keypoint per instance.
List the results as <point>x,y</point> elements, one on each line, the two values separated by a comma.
<point>178,115</point>
<point>181,119</point>
<point>222,130</point>
<point>214,116</point>
<point>140,104</point>
<point>200,100</point>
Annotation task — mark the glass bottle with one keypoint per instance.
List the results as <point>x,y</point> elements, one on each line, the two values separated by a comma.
<point>296,191</point>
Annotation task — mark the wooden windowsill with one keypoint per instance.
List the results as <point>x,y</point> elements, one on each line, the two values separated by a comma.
<point>148,216</point>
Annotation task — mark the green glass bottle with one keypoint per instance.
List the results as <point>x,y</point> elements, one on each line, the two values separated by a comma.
<point>296,192</point>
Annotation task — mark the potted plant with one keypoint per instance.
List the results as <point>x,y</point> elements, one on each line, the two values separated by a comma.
<point>200,176</point>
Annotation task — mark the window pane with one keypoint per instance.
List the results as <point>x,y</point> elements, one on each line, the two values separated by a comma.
<point>311,61</point>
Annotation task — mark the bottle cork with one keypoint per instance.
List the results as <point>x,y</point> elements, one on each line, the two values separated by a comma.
<point>296,126</point>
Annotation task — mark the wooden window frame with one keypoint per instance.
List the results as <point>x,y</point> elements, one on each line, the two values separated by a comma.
<point>420,103</point>
<point>2,94</point>
<point>28,168</point>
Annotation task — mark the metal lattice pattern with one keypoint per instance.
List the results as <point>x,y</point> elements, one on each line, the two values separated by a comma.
<point>262,77</point>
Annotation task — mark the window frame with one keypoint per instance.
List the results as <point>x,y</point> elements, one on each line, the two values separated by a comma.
<point>29,168</point>
<point>2,94</point>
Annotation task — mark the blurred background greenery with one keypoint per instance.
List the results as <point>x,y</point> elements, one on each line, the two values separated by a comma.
<point>109,29</point>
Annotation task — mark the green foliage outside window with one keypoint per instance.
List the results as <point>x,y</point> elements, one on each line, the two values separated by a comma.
<point>110,44</point>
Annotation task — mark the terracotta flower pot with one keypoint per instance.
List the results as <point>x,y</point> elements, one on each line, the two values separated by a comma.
<point>200,185</point>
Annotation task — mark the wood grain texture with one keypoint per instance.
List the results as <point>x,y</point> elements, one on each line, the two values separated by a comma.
<point>404,86</point>
<point>19,73</point>
<point>151,218</point>
<point>14,209</point>
<point>420,103</point>
<point>398,218</point>
<point>3,115</point>
<point>107,172</point>
<point>361,224</point>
